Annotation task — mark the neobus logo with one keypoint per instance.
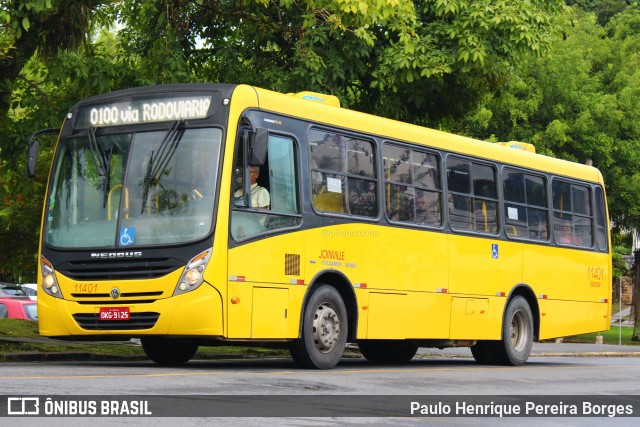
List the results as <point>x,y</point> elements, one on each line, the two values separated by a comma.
<point>116,255</point>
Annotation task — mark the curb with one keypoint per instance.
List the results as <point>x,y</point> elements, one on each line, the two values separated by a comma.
<point>82,355</point>
<point>64,357</point>
<point>589,354</point>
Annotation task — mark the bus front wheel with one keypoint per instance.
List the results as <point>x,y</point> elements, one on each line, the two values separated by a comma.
<point>324,331</point>
<point>517,334</point>
<point>168,351</point>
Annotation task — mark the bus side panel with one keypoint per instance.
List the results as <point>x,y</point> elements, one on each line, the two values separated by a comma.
<point>483,266</point>
<point>565,318</point>
<point>383,258</point>
<point>266,260</point>
<point>428,315</point>
<point>264,311</point>
<point>405,316</point>
<point>269,312</point>
<point>387,316</point>
<point>567,274</point>
<point>260,273</point>
<point>239,311</point>
<point>362,304</point>
<point>388,261</point>
<point>469,318</point>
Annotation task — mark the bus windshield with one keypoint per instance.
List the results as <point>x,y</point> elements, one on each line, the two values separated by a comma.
<point>133,189</point>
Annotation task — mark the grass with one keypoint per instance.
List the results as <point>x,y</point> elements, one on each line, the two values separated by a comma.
<point>27,331</point>
<point>18,328</point>
<point>612,336</point>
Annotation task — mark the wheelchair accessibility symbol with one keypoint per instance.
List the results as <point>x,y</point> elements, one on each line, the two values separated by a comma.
<point>127,236</point>
<point>494,250</point>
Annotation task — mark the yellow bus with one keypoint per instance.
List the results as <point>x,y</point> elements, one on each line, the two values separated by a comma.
<point>206,214</point>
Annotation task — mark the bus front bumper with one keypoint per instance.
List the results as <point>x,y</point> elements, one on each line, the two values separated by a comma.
<point>195,313</point>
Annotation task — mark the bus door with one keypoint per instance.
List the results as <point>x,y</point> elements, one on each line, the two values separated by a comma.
<point>265,262</point>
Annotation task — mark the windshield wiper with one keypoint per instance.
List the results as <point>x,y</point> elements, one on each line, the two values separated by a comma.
<point>99,157</point>
<point>102,162</point>
<point>159,162</point>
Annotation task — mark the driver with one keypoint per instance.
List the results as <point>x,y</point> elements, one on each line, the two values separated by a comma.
<point>260,197</point>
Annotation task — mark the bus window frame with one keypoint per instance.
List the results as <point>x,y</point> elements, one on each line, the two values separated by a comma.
<point>499,199</point>
<point>376,151</point>
<point>590,188</point>
<point>546,177</point>
<point>597,207</point>
<point>244,143</point>
<point>422,149</point>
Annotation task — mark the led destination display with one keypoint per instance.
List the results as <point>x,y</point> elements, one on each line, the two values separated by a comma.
<point>143,111</point>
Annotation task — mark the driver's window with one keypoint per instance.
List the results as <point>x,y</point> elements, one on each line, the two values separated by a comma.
<point>270,200</point>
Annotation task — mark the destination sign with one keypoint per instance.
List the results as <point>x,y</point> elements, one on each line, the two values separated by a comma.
<point>143,111</point>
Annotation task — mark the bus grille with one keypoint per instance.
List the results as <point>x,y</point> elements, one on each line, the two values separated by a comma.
<point>119,269</point>
<point>91,321</point>
<point>100,298</point>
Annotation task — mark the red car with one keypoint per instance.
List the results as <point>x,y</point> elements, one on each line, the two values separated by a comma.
<point>18,308</point>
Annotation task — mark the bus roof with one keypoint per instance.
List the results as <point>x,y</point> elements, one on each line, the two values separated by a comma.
<point>328,112</point>
<point>394,130</point>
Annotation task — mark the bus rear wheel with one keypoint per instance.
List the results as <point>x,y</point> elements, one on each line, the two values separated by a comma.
<point>169,351</point>
<point>387,351</point>
<point>324,331</point>
<point>517,334</point>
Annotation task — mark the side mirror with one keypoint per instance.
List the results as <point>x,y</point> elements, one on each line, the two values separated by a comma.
<point>258,146</point>
<point>32,161</point>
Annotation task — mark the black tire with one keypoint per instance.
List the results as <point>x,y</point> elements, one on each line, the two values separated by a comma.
<point>387,351</point>
<point>324,331</point>
<point>168,351</point>
<point>483,352</point>
<point>517,334</point>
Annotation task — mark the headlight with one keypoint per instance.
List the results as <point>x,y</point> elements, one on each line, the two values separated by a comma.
<point>49,281</point>
<point>192,275</point>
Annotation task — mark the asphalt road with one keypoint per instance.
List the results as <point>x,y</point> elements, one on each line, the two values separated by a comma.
<point>574,372</point>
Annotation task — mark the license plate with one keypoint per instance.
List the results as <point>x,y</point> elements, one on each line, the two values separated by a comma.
<point>114,313</point>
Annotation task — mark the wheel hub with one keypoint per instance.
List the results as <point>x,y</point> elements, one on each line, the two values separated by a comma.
<point>326,328</point>
<point>519,331</point>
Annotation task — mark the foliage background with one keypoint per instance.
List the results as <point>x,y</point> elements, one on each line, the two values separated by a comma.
<point>561,75</point>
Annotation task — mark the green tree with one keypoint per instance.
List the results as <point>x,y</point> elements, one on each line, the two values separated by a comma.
<point>36,38</point>
<point>416,61</point>
<point>28,27</point>
<point>578,103</point>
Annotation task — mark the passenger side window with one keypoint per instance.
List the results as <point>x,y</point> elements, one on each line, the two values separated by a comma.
<point>472,200</point>
<point>572,216</point>
<point>525,203</point>
<point>270,201</point>
<point>601,221</point>
<point>413,190</point>
<point>343,174</point>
